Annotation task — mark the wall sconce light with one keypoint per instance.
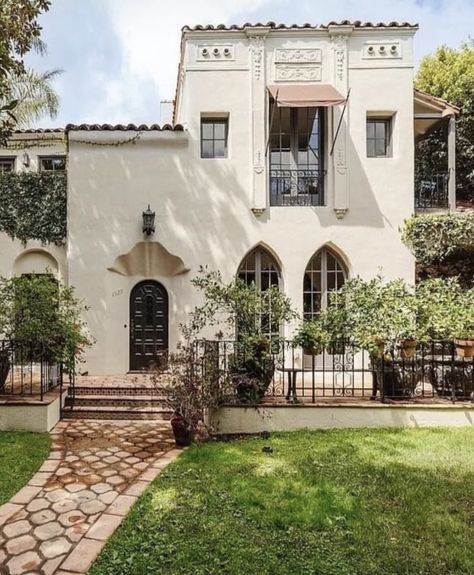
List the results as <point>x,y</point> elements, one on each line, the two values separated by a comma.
<point>148,222</point>
<point>25,159</point>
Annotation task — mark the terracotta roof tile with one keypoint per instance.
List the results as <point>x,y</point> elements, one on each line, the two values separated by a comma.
<point>275,26</point>
<point>39,131</point>
<point>124,128</point>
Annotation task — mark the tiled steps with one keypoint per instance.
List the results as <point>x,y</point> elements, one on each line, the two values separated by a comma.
<point>115,398</point>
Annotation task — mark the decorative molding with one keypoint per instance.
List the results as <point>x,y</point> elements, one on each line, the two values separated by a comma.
<point>340,51</point>
<point>382,50</point>
<point>340,212</point>
<point>215,53</point>
<point>256,44</point>
<point>298,56</point>
<point>258,211</point>
<point>297,73</point>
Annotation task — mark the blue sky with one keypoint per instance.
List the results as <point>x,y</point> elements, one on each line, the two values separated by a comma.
<point>119,57</point>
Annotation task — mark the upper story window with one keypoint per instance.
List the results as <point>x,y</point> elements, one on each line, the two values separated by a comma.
<point>7,164</point>
<point>214,135</point>
<point>379,135</point>
<point>296,156</point>
<point>52,163</point>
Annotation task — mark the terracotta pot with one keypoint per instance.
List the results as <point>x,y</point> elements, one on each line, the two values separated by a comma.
<point>464,347</point>
<point>4,370</point>
<point>312,350</point>
<point>408,348</point>
<point>183,432</point>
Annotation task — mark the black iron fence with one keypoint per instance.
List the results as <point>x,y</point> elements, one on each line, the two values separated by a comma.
<point>296,187</point>
<point>430,371</point>
<point>431,192</point>
<point>28,369</point>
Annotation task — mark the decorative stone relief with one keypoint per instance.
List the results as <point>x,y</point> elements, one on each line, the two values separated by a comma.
<point>256,50</point>
<point>298,56</point>
<point>340,50</point>
<point>297,73</point>
<point>382,50</point>
<point>215,53</point>
<point>340,213</point>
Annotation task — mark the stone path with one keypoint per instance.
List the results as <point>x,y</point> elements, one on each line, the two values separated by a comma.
<point>95,472</point>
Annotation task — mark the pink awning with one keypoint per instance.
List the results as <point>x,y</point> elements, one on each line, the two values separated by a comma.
<point>305,95</point>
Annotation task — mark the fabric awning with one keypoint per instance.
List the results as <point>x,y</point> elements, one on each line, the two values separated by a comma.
<point>305,95</point>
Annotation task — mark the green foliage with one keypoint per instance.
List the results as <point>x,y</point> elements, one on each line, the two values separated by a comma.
<point>449,74</point>
<point>312,334</point>
<point>19,33</point>
<point>37,310</point>
<point>33,206</point>
<point>371,313</point>
<point>239,307</point>
<point>21,455</point>
<point>338,502</point>
<point>435,237</point>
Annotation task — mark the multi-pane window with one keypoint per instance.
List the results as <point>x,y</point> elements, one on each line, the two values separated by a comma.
<point>214,135</point>
<point>296,156</point>
<point>7,164</point>
<point>325,273</point>
<point>261,269</point>
<point>52,163</point>
<point>378,137</point>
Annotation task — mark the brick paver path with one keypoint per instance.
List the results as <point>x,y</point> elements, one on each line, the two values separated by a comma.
<point>96,470</point>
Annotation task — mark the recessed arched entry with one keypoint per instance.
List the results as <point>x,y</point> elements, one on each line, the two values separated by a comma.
<point>149,332</point>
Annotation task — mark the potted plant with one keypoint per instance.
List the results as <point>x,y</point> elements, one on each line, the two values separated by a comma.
<point>312,336</point>
<point>464,338</point>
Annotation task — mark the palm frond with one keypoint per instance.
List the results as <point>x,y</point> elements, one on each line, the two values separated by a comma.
<point>35,95</point>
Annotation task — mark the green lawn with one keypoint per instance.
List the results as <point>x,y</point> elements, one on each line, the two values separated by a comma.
<point>342,502</point>
<point>21,455</point>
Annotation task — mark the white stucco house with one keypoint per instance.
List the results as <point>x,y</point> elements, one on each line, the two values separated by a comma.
<point>289,161</point>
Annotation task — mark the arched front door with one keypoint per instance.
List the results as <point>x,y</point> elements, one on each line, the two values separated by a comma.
<point>148,324</point>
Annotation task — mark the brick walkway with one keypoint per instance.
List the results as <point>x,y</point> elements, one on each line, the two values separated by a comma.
<point>96,470</point>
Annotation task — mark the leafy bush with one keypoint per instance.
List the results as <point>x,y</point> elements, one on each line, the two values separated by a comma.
<point>33,206</point>
<point>434,237</point>
<point>36,310</point>
<point>312,335</point>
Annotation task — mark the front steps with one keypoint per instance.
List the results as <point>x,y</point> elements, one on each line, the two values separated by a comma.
<point>127,397</point>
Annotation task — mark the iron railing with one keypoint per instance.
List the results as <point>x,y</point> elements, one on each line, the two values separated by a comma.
<point>431,371</point>
<point>28,369</point>
<point>431,192</point>
<point>296,187</point>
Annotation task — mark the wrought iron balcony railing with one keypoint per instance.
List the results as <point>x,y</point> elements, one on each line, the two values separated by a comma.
<point>297,187</point>
<point>431,192</point>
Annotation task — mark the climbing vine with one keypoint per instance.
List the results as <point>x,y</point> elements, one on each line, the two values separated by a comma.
<point>434,238</point>
<point>33,206</point>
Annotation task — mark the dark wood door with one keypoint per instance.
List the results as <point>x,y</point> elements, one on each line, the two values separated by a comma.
<point>148,325</point>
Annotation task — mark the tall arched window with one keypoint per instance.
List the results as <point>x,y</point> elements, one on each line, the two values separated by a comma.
<point>324,273</point>
<point>260,267</point>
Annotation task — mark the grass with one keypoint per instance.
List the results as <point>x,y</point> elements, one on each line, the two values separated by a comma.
<point>21,455</point>
<point>340,502</point>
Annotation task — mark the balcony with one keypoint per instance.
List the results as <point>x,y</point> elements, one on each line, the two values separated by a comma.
<point>431,192</point>
<point>297,187</point>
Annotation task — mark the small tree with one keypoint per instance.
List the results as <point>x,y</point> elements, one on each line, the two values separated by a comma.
<point>36,311</point>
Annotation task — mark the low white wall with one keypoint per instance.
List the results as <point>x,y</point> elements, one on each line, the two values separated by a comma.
<point>30,417</point>
<point>229,420</point>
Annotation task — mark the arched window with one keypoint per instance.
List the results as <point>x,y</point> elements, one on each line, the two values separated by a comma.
<point>259,267</point>
<point>324,273</point>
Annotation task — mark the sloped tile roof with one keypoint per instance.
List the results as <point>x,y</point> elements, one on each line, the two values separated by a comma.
<point>124,128</point>
<point>275,26</point>
<point>39,131</point>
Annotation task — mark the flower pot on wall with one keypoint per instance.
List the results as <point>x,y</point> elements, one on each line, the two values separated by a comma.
<point>312,350</point>
<point>464,347</point>
<point>183,432</point>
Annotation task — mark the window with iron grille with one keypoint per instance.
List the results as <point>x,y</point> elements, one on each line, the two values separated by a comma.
<point>7,164</point>
<point>52,163</point>
<point>214,135</point>
<point>379,137</point>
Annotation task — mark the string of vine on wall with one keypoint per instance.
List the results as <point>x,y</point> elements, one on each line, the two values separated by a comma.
<point>33,206</point>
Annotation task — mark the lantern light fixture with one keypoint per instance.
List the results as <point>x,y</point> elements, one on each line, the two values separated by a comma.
<point>148,221</point>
